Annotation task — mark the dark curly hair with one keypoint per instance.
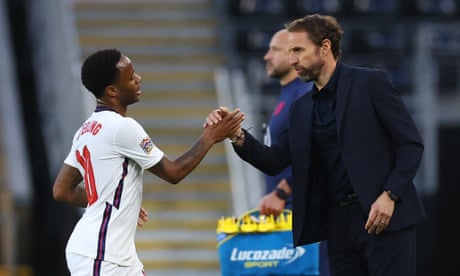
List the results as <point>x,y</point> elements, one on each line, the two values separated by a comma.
<point>319,27</point>
<point>100,70</point>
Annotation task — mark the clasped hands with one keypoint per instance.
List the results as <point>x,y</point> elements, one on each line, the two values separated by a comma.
<point>217,115</point>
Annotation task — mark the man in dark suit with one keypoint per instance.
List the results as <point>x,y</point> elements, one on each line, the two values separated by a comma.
<point>354,151</point>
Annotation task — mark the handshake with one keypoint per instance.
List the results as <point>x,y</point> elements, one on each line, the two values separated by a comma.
<point>223,116</point>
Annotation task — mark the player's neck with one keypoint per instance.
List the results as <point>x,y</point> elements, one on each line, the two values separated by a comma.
<point>105,105</point>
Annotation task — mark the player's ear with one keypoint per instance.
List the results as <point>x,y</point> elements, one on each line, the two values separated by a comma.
<point>111,90</point>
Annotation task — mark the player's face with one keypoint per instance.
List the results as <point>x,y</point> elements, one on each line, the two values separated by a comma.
<point>277,57</point>
<point>304,56</point>
<point>128,82</point>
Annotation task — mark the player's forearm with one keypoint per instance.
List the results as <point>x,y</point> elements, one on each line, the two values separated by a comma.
<point>175,171</point>
<point>190,159</point>
<point>67,187</point>
<point>74,196</point>
<point>78,197</point>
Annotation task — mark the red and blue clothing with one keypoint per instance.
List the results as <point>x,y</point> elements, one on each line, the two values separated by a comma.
<point>278,123</point>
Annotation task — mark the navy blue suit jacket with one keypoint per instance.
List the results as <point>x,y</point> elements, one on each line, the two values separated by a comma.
<point>380,146</point>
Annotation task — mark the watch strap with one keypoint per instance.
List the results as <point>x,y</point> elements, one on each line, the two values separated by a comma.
<point>281,194</point>
<point>393,196</point>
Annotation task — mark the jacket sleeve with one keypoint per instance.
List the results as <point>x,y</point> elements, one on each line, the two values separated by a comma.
<point>270,160</point>
<point>398,123</point>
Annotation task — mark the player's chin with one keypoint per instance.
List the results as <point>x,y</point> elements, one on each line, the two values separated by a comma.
<point>134,100</point>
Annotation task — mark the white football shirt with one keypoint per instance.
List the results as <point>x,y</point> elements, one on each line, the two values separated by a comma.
<point>111,153</point>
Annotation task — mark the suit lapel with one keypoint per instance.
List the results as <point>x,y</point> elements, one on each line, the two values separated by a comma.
<point>343,91</point>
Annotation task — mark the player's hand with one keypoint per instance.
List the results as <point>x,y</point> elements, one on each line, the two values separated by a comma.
<point>216,116</point>
<point>229,124</point>
<point>380,214</point>
<point>271,204</point>
<point>143,217</point>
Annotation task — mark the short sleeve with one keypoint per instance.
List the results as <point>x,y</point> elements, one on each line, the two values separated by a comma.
<point>132,141</point>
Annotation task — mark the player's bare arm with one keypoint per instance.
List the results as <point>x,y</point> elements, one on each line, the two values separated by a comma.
<point>174,171</point>
<point>66,187</point>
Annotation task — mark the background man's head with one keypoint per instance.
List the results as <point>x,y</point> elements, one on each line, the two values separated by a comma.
<point>277,58</point>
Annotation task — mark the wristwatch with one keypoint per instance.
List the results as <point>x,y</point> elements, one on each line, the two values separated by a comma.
<point>392,196</point>
<point>237,137</point>
<point>281,194</point>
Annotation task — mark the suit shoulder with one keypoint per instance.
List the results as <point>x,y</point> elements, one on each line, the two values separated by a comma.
<point>301,100</point>
<point>365,71</point>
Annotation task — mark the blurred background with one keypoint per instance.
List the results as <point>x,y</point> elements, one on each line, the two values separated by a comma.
<point>194,55</point>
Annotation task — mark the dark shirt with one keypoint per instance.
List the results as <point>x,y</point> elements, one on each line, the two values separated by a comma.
<point>326,145</point>
<point>278,123</point>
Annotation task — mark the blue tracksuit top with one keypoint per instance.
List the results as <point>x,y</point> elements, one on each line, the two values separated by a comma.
<point>278,122</point>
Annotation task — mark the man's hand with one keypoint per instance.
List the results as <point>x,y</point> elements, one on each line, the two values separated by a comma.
<point>271,204</point>
<point>143,217</point>
<point>380,214</point>
<point>219,114</point>
<point>216,116</point>
<point>228,123</point>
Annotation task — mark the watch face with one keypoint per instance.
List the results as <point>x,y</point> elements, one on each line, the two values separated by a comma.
<point>281,193</point>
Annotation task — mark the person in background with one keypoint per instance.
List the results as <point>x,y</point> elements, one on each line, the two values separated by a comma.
<point>354,151</point>
<point>278,187</point>
<point>110,152</point>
